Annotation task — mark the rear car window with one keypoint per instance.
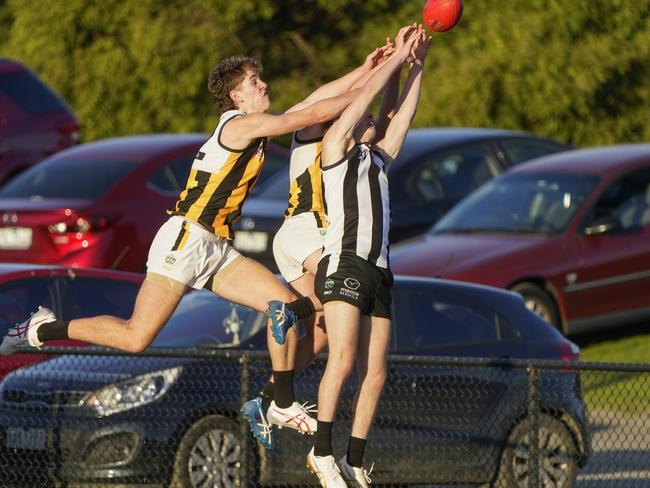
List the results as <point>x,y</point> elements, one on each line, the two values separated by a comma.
<point>62,178</point>
<point>26,91</point>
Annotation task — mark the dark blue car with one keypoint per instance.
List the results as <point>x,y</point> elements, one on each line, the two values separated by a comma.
<point>435,170</point>
<point>174,420</point>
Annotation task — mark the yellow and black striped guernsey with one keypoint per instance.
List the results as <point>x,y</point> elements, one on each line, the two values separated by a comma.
<point>219,182</point>
<point>306,177</point>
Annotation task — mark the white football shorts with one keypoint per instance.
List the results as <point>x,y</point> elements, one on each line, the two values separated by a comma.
<point>297,239</point>
<point>187,253</point>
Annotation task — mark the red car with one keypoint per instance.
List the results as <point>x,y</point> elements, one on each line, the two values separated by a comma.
<point>100,204</point>
<point>34,121</point>
<point>69,293</point>
<point>570,232</point>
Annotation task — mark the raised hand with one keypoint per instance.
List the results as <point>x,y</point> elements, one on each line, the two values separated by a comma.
<point>403,35</point>
<point>420,47</point>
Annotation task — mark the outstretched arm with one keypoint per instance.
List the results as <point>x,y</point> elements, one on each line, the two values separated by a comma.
<point>240,131</point>
<point>396,132</point>
<point>339,136</point>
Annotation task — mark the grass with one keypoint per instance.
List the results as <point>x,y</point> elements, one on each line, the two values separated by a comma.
<point>623,392</point>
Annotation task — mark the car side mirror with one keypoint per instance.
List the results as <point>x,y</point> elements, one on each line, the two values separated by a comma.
<point>603,225</point>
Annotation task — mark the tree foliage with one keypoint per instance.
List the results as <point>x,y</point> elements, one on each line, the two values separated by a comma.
<point>575,71</point>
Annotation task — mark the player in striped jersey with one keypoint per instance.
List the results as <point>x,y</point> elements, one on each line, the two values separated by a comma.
<point>192,249</point>
<point>353,279</point>
<point>298,243</point>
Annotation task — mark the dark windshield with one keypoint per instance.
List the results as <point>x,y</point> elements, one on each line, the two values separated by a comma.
<point>520,203</point>
<point>204,319</point>
<point>276,187</point>
<point>61,178</point>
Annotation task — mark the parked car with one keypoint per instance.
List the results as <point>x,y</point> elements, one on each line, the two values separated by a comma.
<point>100,204</point>
<point>174,418</point>
<point>435,170</point>
<point>570,232</point>
<point>34,121</point>
<point>69,293</point>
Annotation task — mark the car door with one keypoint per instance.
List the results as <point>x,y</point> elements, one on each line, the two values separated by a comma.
<point>468,409</point>
<point>612,280</point>
<point>423,191</point>
<point>91,296</point>
<point>18,300</point>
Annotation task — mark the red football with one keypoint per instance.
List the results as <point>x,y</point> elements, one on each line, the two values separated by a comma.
<point>442,15</point>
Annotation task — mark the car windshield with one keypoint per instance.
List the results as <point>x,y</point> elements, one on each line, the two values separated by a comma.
<point>203,319</point>
<point>520,203</point>
<point>64,178</point>
<point>276,187</point>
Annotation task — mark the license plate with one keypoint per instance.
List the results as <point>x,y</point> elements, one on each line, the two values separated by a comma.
<point>18,438</point>
<point>15,237</point>
<point>250,241</point>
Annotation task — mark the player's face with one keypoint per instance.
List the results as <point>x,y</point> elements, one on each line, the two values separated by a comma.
<point>365,131</point>
<point>254,93</point>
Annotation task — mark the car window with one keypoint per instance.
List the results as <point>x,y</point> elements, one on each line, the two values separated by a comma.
<point>172,177</point>
<point>627,199</point>
<point>276,187</point>
<point>454,173</point>
<point>426,321</point>
<point>205,319</point>
<point>28,92</point>
<point>88,297</point>
<point>519,150</point>
<point>63,178</point>
<point>21,298</point>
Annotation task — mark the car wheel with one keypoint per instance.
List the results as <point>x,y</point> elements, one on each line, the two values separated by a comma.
<point>558,464</point>
<point>538,301</point>
<point>209,454</point>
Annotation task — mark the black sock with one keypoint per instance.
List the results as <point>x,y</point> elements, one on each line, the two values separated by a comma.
<point>267,395</point>
<point>323,441</point>
<point>53,331</point>
<point>303,307</point>
<point>356,446</point>
<point>283,388</point>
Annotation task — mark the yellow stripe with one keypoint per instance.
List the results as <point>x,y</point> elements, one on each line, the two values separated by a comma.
<point>213,183</point>
<point>186,236</point>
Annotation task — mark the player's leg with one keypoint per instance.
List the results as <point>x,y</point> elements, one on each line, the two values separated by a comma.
<point>153,307</point>
<point>374,338</point>
<point>248,283</point>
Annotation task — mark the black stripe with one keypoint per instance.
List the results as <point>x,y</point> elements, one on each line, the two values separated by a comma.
<point>200,155</point>
<point>193,194</point>
<point>351,203</point>
<point>305,193</point>
<point>179,238</point>
<point>221,194</point>
<point>376,203</point>
<point>319,222</point>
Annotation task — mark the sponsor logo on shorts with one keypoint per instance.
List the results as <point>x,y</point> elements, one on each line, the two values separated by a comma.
<point>170,259</point>
<point>329,283</point>
<point>323,232</point>
<point>349,293</point>
<point>351,283</point>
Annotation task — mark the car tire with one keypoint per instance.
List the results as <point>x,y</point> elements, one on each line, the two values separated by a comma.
<point>209,454</point>
<point>540,302</point>
<point>559,463</point>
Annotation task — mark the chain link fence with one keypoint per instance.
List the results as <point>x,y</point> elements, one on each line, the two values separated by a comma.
<point>87,417</point>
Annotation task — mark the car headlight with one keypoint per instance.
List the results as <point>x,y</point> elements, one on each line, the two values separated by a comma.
<point>132,393</point>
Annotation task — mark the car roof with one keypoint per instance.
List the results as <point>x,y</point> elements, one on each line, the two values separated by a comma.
<point>596,160</point>
<point>423,140</point>
<point>132,148</point>
<point>8,65</point>
<point>21,269</point>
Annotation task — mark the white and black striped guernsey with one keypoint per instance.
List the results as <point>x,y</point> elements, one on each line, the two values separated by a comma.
<point>358,207</point>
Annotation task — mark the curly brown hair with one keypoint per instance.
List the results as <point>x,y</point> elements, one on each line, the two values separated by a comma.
<point>225,77</point>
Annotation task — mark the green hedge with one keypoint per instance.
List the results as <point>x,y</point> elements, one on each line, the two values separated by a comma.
<point>574,70</point>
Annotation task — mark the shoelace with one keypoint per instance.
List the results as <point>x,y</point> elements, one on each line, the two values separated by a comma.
<point>307,408</point>
<point>366,474</point>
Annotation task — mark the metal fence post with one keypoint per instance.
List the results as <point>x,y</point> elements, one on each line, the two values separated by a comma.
<point>246,444</point>
<point>533,436</point>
